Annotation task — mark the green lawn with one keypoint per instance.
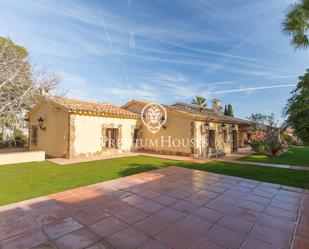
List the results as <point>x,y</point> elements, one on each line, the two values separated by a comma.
<point>28,180</point>
<point>298,156</point>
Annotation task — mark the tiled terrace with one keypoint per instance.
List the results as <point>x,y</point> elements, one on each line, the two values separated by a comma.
<point>167,208</point>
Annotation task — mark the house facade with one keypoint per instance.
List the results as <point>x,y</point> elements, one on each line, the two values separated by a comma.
<point>192,131</point>
<point>71,128</point>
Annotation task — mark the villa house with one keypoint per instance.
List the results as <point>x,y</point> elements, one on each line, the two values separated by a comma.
<point>65,127</point>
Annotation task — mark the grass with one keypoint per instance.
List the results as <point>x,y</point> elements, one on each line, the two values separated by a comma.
<point>298,156</point>
<point>28,180</point>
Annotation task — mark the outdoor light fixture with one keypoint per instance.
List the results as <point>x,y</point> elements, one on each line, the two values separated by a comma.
<point>41,123</point>
<point>223,127</point>
<point>206,126</point>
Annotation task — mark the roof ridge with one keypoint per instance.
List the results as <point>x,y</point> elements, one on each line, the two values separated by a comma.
<point>84,100</point>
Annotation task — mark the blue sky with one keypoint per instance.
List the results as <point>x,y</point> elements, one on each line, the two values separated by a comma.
<point>162,50</point>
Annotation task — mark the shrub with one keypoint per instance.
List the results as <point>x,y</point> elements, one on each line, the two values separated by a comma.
<point>274,147</point>
<point>259,146</point>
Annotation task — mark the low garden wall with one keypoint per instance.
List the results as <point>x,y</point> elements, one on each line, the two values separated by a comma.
<point>22,157</point>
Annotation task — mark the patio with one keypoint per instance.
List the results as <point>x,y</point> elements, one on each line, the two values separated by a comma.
<point>166,208</point>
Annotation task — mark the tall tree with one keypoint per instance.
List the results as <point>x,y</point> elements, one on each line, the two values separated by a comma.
<point>20,83</point>
<point>297,109</point>
<point>296,24</point>
<point>225,111</point>
<point>230,110</point>
<point>200,101</point>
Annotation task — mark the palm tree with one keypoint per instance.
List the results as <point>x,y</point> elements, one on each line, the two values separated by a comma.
<point>296,24</point>
<point>200,101</point>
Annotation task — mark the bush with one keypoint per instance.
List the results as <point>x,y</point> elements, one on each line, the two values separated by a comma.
<point>274,147</point>
<point>267,147</point>
<point>259,146</point>
<point>17,140</point>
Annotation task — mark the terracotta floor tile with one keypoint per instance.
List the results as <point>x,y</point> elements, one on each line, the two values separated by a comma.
<point>108,226</point>
<point>202,243</point>
<point>229,199</point>
<point>79,239</point>
<point>244,213</point>
<point>235,193</point>
<point>150,207</point>
<point>208,214</point>
<point>179,194</point>
<point>177,237</point>
<point>115,206</point>
<point>90,215</point>
<point>185,206</point>
<point>132,215</point>
<point>224,237</point>
<point>171,214</point>
<point>267,190</point>
<point>25,241</point>
<point>127,238</point>
<point>153,244</point>
<point>218,205</point>
<point>236,224</point>
<point>285,205</point>
<point>281,213</point>
<point>216,189</point>
<point>289,193</point>
<point>45,246</point>
<point>281,225</point>
<point>195,224</point>
<point>199,199</point>
<point>270,236</point>
<point>262,193</point>
<point>149,194</point>
<point>165,200</point>
<point>257,207</point>
<point>100,245</point>
<point>59,228</point>
<point>153,224</point>
<point>134,200</point>
<point>10,226</point>
<point>258,199</point>
<point>58,215</point>
<point>286,198</point>
<point>241,189</point>
<point>251,243</point>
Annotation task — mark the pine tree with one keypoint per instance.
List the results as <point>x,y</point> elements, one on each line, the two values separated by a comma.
<point>226,111</point>
<point>230,110</point>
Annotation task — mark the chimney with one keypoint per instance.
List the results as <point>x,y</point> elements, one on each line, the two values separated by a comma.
<point>216,106</point>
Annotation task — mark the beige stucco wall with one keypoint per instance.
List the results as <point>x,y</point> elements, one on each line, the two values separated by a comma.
<point>87,138</point>
<point>220,144</point>
<point>185,128</point>
<point>168,140</point>
<point>54,141</point>
<point>22,157</point>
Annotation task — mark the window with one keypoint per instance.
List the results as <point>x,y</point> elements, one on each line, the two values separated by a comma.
<point>225,136</point>
<point>34,134</point>
<point>211,138</point>
<point>135,136</point>
<point>111,138</point>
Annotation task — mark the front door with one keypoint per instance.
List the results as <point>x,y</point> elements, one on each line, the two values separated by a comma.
<point>234,142</point>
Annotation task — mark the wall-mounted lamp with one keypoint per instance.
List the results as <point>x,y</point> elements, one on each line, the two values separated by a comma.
<point>206,126</point>
<point>222,128</point>
<point>41,124</point>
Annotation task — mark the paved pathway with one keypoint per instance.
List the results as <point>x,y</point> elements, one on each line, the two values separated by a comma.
<point>171,208</point>
<point>281,166</point>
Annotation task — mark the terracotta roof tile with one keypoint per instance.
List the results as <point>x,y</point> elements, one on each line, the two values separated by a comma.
<point>92,107</point>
